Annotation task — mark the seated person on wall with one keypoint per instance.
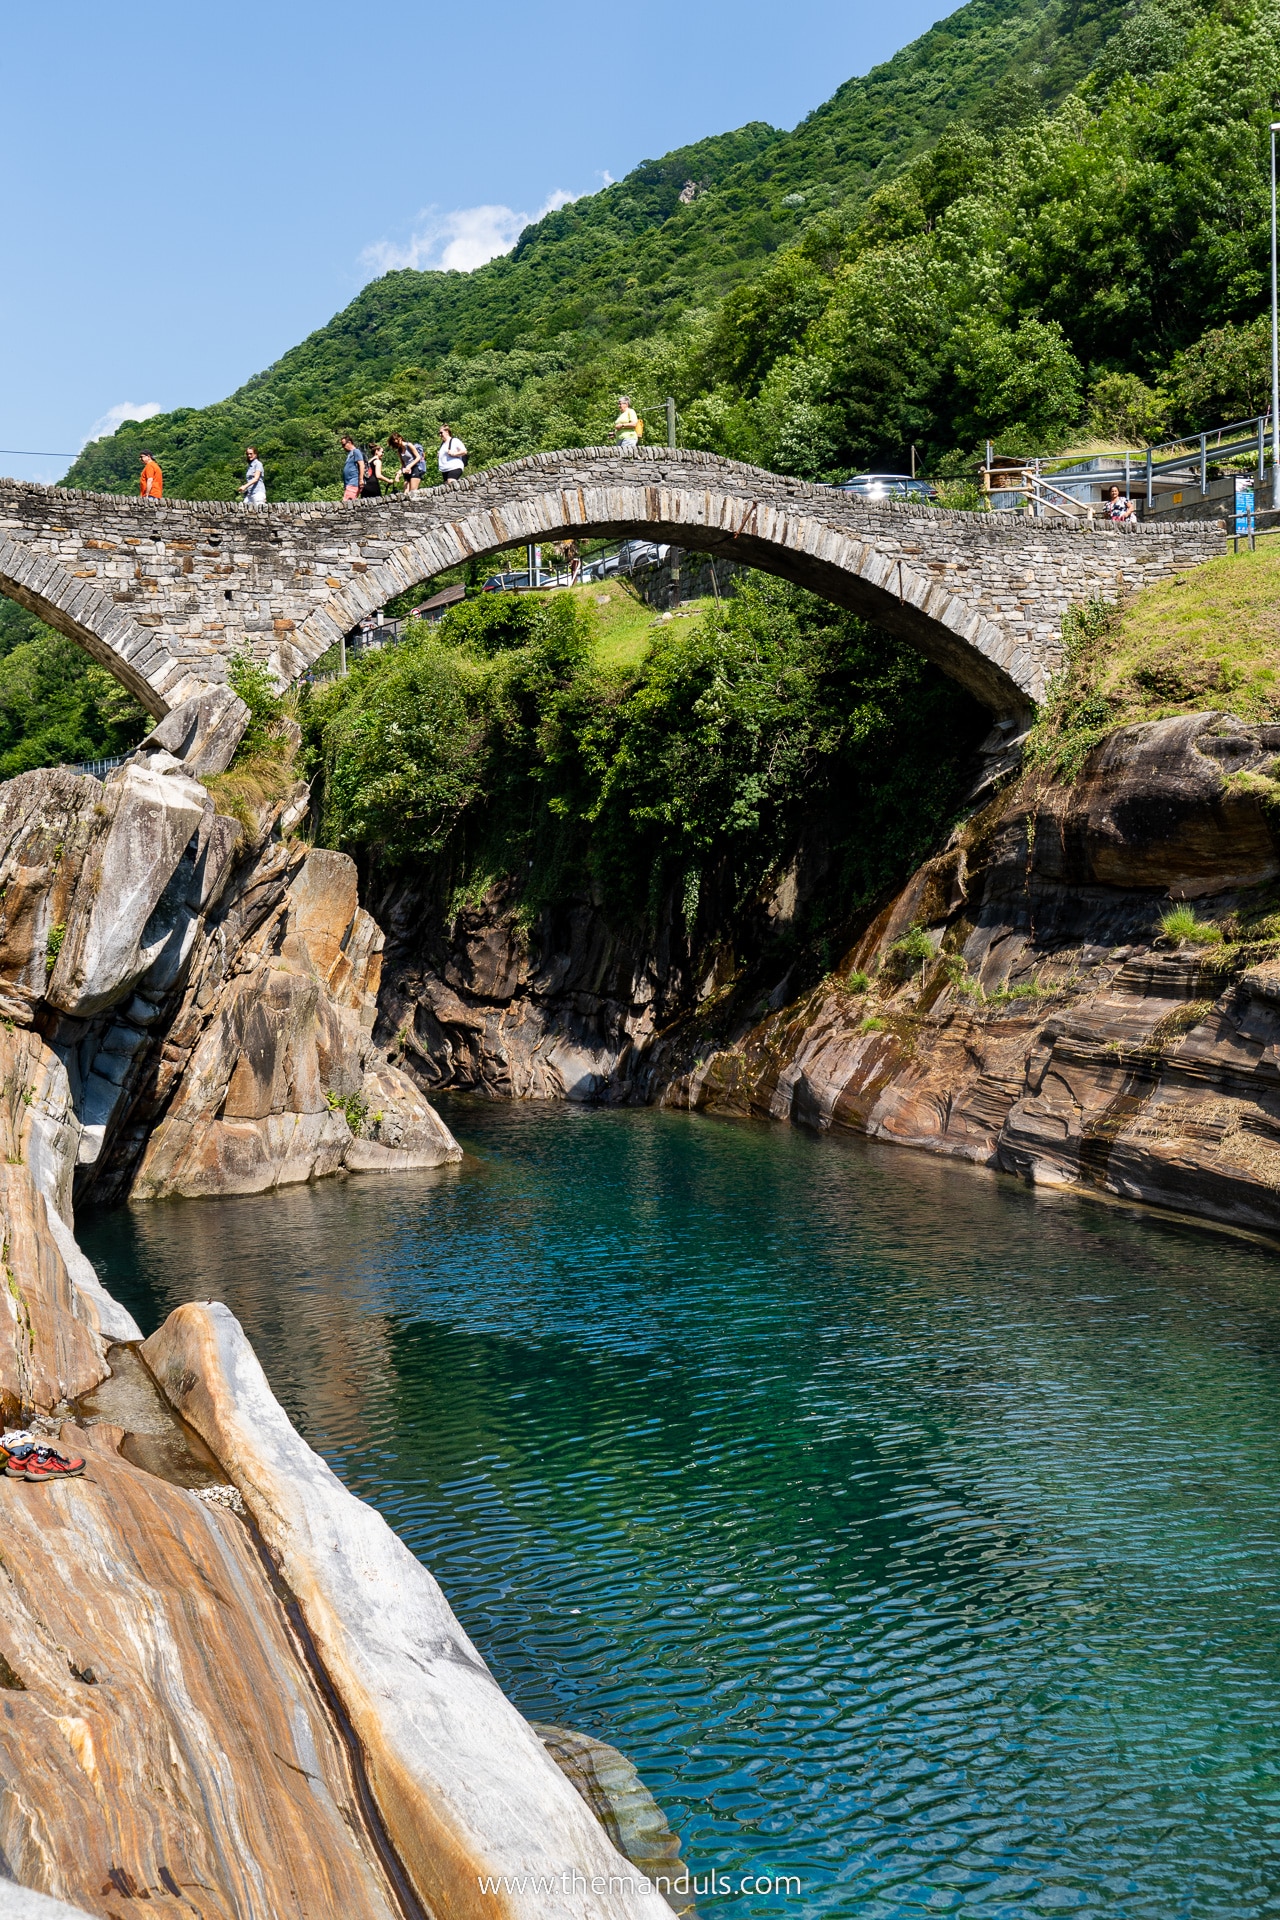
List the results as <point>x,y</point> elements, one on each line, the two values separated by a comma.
<point>1120,508</point>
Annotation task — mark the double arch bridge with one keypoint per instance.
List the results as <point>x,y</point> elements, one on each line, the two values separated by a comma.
<point>164,593</point>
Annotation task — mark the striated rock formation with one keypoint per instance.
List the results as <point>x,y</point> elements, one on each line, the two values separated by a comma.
<point>162,1738</point>
<point>207,983</point>
<point>1050,1029</point>
<point>463,1783</point>
<point>570,1008</point>
<point>268,1074</point>
<point>226,1720</point>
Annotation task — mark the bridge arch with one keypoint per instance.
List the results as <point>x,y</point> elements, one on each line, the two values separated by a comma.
<point>889,591</point>
<point>84,612</point>
<point>164,593</point>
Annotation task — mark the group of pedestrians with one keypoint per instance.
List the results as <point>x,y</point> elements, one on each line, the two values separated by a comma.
<point>362,475</point>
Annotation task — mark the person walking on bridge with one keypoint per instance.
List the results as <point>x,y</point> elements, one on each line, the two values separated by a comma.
<point>151,486</point>
<point>254,490</point>
<point>626,428</point>
<point>352,468</point>
<point>371,484</point>
<point>452,457</point>
<point>413,461</point>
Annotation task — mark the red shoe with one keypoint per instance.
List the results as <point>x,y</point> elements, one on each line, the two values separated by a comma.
<point>42,1463</point>
<point>15,1461</point>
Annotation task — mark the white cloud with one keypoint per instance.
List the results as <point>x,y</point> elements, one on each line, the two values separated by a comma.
<point>115,416</point>
<point>606,176</point>
<point>460,241</point>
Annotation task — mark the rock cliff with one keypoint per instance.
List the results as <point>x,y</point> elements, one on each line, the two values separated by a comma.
<point>208,983</point>
<point>1017,1005</point>
<point>226,1688</point>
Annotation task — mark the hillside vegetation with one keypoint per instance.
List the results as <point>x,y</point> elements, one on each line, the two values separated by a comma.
<point>947,198</point>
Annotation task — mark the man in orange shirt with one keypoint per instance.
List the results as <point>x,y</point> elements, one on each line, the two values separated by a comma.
<point>152,486</point>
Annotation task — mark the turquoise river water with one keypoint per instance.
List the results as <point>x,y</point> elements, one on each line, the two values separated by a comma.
<point>915,1534</point>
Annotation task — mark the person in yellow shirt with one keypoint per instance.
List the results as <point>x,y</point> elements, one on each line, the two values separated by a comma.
<point>151,486</point>
<point>626,428</point>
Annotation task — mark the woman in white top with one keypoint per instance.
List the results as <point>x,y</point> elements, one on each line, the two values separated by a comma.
<point>254,490</point>
<point>451,458</point>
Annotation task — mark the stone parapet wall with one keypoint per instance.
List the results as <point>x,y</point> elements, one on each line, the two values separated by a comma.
<point>165,593</point>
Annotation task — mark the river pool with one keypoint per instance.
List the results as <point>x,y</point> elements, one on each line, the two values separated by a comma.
<point>914,1533</point>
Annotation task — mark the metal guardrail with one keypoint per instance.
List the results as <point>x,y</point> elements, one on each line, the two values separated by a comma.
<point>1187,457</point>
<point>98,768</point>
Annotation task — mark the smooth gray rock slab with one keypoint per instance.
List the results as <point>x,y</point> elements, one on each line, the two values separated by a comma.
<point>107,948</point>
<point>23,1903</point>
<point>203,733</point>
<point>466,1789</point>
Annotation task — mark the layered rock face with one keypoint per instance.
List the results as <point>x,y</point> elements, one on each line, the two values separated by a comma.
<point>1045,1025</point>
<point>569,1010</point>
<point>209,985</point>
<point>163,1739</point>
<point>226,1688</point>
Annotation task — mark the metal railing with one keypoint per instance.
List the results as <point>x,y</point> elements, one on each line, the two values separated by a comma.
<point>1037,479</point>
<point>98,768</point>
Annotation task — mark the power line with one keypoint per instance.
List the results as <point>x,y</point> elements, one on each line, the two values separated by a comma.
<point>38,453</point>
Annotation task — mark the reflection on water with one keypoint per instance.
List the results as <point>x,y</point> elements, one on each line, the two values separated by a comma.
<point>914,1534</point>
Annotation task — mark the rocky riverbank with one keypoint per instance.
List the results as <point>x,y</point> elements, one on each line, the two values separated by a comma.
<point>1018,1004</point>
<point>225,1687</point>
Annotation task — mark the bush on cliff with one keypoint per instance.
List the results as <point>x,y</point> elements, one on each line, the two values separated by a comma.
<point>496,747</point>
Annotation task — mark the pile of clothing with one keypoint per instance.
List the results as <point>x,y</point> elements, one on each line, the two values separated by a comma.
<point>26,1457</point>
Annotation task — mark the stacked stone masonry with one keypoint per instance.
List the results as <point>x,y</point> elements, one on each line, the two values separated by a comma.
<point>164,593</point>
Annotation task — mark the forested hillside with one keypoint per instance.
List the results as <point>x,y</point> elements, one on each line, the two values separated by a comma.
<point>629,285</point>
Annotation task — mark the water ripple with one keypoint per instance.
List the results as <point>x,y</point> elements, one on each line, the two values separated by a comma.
<point>915,1534</point>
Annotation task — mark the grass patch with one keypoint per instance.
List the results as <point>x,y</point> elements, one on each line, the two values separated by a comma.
<point>252,785</point>
<point>1206,639</point>
<point>1181,924</point>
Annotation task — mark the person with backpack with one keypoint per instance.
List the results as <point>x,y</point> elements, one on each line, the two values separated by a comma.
<point>452,457</point>
<point>413,462</point>
<point>628,428</point>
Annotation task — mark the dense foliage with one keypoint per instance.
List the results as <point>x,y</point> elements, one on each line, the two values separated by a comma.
<point>56,704</point>
<point>493,746</point>
<point>624,287</point>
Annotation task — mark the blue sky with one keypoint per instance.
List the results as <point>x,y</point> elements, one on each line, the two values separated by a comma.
<point>190,190</point>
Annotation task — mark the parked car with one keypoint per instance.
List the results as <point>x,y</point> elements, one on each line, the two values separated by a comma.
<point>889,486</point>
<point>640,553</point>
<point>506,582</point>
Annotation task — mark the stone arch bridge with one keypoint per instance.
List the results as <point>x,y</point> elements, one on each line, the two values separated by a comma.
<point>163,594</point>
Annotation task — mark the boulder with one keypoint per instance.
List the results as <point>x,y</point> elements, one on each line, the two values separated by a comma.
<point>280,1084</point>
<point>464,1786</point>
<point>202,734</point>
<point>110,941</point>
